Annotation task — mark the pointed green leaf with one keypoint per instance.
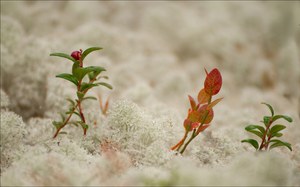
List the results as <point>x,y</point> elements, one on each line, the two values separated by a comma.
<point>62,117</point>
<point>253,142</point>
<point>57,124</point>
<point>278,143</point>
<point>90,97</point>
<point>74,67</point>
<point>259,134</point>
<point>89,50</point>
<point>253,127</point>
<point>276,134</point>
<point>81,72</point>
<point>83,125</point>
<point>85,86</point>
<point>287,118</point>
<point>270,107</point>
<point>71,101</point>
<point>68,77</point>
<point>276,128</point>
<point>105,84</point>
<point>267,120</point>
<point>80,95</point>
<point>63,55</point>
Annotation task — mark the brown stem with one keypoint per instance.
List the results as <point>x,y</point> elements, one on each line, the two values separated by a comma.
<point>81,115</point>
<point>265,134</point>
<point>267,143</point>
<point>65,123</point>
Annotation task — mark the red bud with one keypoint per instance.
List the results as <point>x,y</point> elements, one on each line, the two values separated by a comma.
<point>76,55</point>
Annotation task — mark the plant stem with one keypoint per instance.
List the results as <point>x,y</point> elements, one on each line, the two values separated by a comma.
<point>265,134</point>
<point>179,144</point>
<point>66,122</point>
<point>195,133</point>
<point>189,141</point>
<point>80,112</point>
<point>267,143</point>
<point>81,115</point>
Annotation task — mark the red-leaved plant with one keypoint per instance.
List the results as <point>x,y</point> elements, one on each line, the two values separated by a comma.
<point>201,114</point>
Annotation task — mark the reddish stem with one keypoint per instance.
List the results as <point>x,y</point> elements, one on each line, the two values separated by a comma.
<point>265,134</point>
<point>180,142</point>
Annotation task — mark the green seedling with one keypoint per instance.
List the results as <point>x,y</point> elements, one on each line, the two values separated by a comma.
<point>269,133</point>
<point>200,114</point>
<point>84,78</point>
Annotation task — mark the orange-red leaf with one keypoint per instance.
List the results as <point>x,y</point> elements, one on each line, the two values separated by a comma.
<point>212,104</point>
<point>203,97</point>
<point>206,115</point>
<point>213,82</point>
<point>192,102</point>
<point>189,125</point>
<point>202,128</point>
<point>193,116</point>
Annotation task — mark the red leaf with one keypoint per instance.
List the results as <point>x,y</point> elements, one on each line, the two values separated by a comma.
<point>189,125</point>
<point>202,128</point>
<point>193,116</point>
<point>205,115</point>
<point>212,104</point>
<point>213,82</point>
<point>192,102</point>
<point>203,97</point>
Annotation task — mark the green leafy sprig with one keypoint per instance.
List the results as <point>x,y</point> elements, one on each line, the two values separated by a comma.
<point>84,78</point>
<point>269,133</point>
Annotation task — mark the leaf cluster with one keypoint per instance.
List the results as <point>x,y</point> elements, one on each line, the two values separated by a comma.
<point>84,78</point>
<point>268,133</point>
<point>201,113</point>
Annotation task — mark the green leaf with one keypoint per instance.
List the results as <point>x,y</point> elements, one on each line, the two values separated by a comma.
<point>74,67</point>
<point>83,125</point>
<point>280,143</point>
<point>80,95</point>
<point>81,72</point>
<point>267,120</point>
<point>276,135</point>
<point>63,55</point>
<point>252,127</point>
<point>259,134</point>
<point>57,124</point>
<point>287,118</point>
<point>270,107</point>
<point>68,77</point>
<point>252,142</point>
<point>90,97</point>
<point>105,84</point>
<point>62,132</point>
<point>62,117</point>
<point>89,50</point>
<point>71,101</point>
<point>103,77</point>
<point>73,112</point>
<point>85,86</point>
<point>276,128</point>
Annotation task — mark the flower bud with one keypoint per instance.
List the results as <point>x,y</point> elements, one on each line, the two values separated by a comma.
<point>76,55</point>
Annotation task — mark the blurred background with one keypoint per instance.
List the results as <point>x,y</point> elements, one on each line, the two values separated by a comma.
<point>151,48</point>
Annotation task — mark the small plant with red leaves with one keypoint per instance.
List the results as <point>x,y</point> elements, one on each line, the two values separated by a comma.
<point>200,114</point>
<point>84,78</point>
<point>269,132</point>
